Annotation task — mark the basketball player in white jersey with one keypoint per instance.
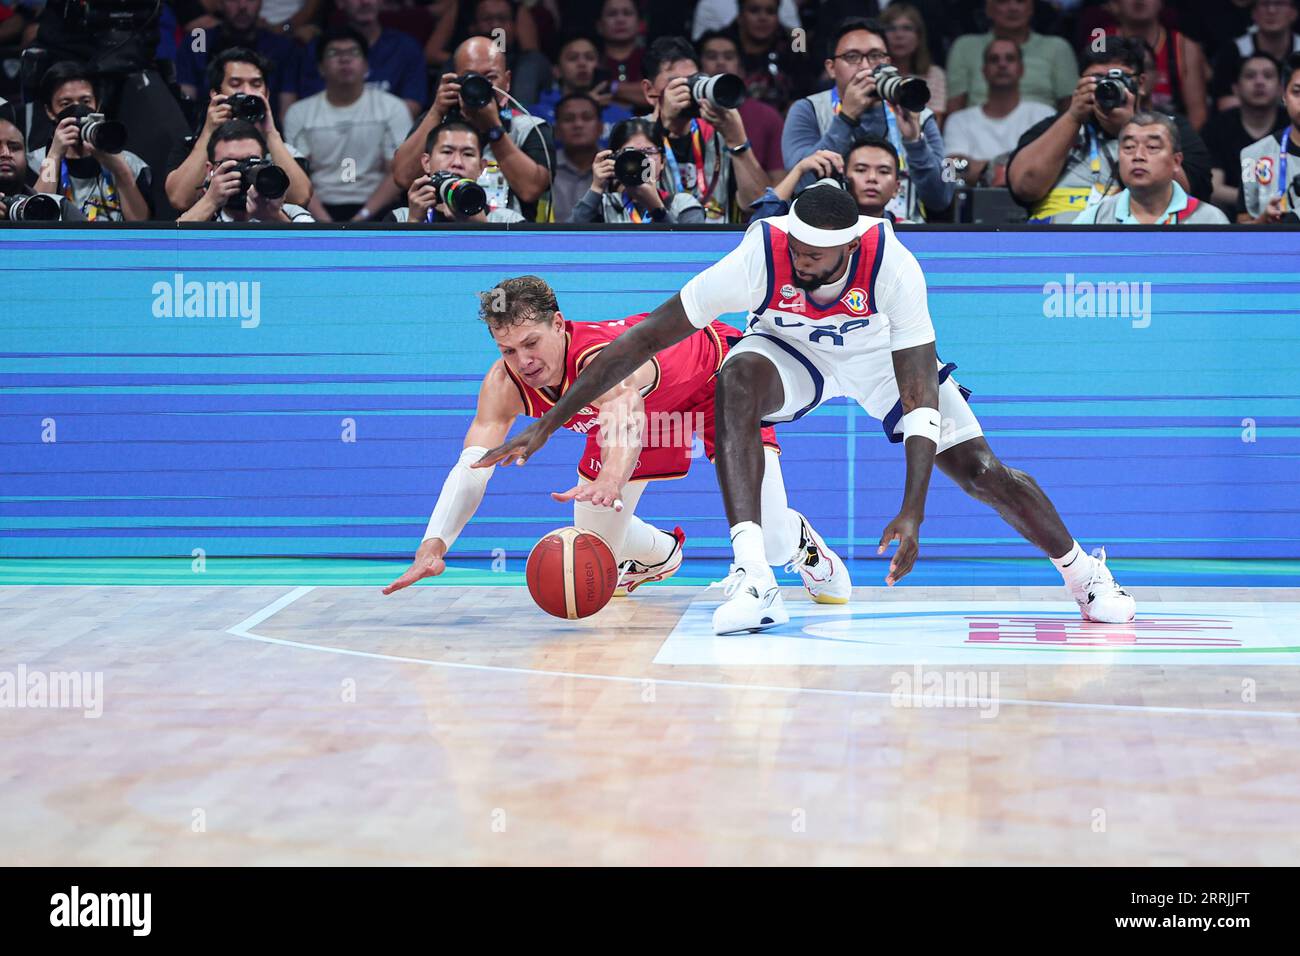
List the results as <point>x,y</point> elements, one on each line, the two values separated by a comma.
<point>837,307</point>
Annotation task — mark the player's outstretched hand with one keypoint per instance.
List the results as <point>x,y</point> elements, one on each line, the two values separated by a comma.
<point>428,563</point>
<point>517,450</point>
<point>598,493</point>
<point>904,529</point>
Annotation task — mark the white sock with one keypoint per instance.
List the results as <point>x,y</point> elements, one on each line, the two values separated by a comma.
<point>1075,566</point>
<point>747,542</point>
<point>646,543</point>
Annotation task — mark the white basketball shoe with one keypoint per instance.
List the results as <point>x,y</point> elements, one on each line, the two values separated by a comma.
<point>752,603</point>
<point>825,576</point>
<point>632,574</point>
<point>1102,599</point>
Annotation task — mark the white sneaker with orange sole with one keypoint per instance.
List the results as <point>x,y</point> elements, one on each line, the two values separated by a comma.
<point>633,574</point>
<point>825,576</point>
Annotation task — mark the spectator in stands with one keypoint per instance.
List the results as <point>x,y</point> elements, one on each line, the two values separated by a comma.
<point>720,54</point>
<point>238,27</point>
<point>347,132</point>
<point>106,187</point>
<point>395,61</point>
<point>454,147</point>
<point>1050,72</point>
<point>234,70</point>
<point>1149,156</point>
<point>576,71</point>
<point>715,15</point>
<point>709,156</point>
<point>520,153</point>
<point>609,200</point>
<point>851,111</point>
<point>13,168</point>
<point>1271,166</point>
<point>1258,88</point>
<point>773,72</point>
<point>619,27</point>
<point>530,71</point>
<point>909,50</point>
<point>227,197</point>
<point>1068,162</point>
<point>1273,32</point>
<point>985,135</point>
<point>1178,83</point>
<point>299,19</point>
<point>870,174</point>
<point>578,127</point>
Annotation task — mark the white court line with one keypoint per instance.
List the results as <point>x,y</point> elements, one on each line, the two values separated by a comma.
<point>242,629</point>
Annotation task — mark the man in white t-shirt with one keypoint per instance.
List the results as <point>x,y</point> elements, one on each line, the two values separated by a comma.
<point>984,136</point>
<point>837,307</point>
<point>348,132</point>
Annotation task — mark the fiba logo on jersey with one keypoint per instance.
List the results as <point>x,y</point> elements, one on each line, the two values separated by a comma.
<point>855,300</point>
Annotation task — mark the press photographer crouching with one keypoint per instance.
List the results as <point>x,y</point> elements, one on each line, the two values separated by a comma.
<point>625,182</point>
<point>237,89</point>
<point>448,192</point>
<point>244,185</point>
<point>18,201</point>
<point>85,162</point>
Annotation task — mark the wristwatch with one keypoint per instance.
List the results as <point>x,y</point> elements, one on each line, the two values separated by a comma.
<point>495,133</point>
<point>737,150</point>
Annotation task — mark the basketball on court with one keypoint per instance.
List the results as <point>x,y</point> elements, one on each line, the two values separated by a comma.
<point>571,573</point>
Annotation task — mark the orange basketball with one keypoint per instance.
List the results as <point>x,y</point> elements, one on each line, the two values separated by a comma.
<point>571,573</point>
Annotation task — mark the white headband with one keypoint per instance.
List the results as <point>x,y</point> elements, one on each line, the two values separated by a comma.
<point>822,238</point>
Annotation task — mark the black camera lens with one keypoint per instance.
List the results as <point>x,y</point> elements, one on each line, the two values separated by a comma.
<point>40,207</point>
<point>632,167</point>
<point>105,135</point>
<point>475,90</point>
<point>725,91</point>
<point>246,106</point>
<point>271,181</point>
<point>1110,94</point>
<point>909,92</point>
<point>464,196</point>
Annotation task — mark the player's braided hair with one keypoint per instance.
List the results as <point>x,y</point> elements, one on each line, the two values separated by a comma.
<point>826,206</point>
<point>522,299</point>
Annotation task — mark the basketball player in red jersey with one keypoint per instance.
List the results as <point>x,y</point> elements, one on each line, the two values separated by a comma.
<point>639,430</point>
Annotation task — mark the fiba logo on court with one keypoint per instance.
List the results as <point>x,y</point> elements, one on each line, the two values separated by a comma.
<point>855,300</point>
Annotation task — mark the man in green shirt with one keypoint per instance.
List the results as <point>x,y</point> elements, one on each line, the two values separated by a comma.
<point>1050,68</point>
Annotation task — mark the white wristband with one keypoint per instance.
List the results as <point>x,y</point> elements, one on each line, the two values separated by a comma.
<point>461,495</point>
<point>922,422</point>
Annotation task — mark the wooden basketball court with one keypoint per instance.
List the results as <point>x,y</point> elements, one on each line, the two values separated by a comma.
<point>460,725</point>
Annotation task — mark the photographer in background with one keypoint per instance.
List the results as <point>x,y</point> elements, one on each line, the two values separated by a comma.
<point>85,161</point>
<point>237,89</point>
<point>707,152</point>
<point>1271,166</point>
<point>870,174</point>
<point>452,162</point>
<point>239,29</point>
<point>520,151</point>
<point>868,100</point>
<point>237,166</point>
<point>13,180</point>
<point>1069,162</point>
<point>625,182</point>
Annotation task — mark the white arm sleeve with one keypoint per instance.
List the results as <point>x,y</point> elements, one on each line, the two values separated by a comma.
<point>735,283</point>
<point>903,298</point>
<point>461,495</point>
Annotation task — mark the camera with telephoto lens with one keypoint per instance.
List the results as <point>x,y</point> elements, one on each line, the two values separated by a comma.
<point>246,106</point>
<point>1112,90</point>
<point>271,181</point>
<point>95,130</point>
<point>37,207</point>
<point>632,167</point>
<point>475,90</point>
<point>909,92</point>
<point>723,91</point>
<point>463,196</point>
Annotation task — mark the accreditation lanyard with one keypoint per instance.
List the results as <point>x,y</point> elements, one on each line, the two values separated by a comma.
<point>108,200</point>
<point>697,154</point>
<point>629,210</point>
<point>1098,192</point>
<point>1281,165</point>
